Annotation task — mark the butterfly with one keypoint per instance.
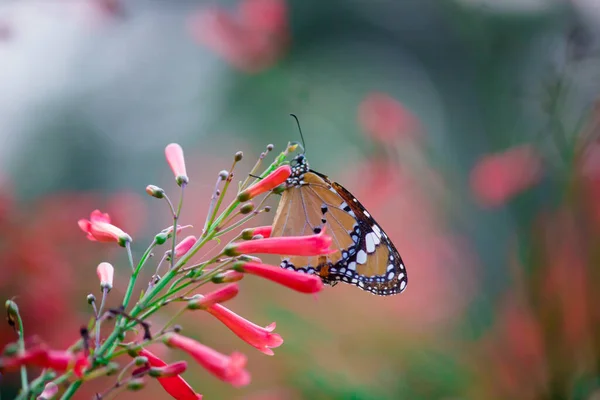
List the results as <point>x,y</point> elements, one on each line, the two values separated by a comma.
<point>365,256</point>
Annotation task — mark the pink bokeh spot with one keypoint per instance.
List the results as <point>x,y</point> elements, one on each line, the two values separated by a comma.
<point>497,178</point>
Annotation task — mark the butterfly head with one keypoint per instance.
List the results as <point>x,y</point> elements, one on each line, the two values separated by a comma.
<point>299,167</point>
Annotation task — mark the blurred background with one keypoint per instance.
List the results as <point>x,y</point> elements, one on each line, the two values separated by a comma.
<point>466,127</point>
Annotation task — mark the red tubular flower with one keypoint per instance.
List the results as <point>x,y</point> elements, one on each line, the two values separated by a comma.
<point>303,283</point>
<point>230,369</point>
<point>264,231</point>
<point>220,295</point>
<point>184,246</point>
<point>176,386</point>
<point>105,273</point>
<point>270,182</point>
<point>174,155</point>
<point>99,228</point>
<point>170,370</point>
<point>310,245</point>
<point>40,356</point>
<point>256,336</point>
<point>497,178</point>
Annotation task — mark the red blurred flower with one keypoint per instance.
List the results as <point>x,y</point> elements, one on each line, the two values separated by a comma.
<point>303,283</point>
<point>40,356</point>
<point>497,178</point>
<point>261,338</point>
<point>220,295</point>
<point>105,273</point>
<point>230,369</point>
<point>590,171</point>
<point>309,245</point>
<point>175,159</point>
<point>251,39</point>
<point>270,182</point>
<point>176,386</point>
<point>385,119</point>
<point>100,229</point>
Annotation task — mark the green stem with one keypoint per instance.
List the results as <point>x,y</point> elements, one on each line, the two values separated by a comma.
<point>129,255</point>
<point>71,390</point>
<point>99,317</point>
<point>21,343</point>
<point>175,219</point>
<point>209,222</point>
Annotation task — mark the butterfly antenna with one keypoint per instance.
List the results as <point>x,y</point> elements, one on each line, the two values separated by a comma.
<point>301,135</point>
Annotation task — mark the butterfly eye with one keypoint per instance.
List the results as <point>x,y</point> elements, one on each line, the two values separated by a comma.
<point>299,159</point>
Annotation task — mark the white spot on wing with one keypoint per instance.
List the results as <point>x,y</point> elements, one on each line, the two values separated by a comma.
<point>370,242</point>
<point>361,257</point>
<point>402,285</point>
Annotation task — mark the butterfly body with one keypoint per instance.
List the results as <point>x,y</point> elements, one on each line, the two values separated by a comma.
<point>365,256</point>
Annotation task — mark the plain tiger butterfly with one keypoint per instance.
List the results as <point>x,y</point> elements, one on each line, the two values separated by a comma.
<point>365,256</point>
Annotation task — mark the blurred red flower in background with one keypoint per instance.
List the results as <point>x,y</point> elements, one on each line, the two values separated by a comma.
<point>43,269</point>
<point>497,178</point>
<point>251,39</point>
<point>385,119</point>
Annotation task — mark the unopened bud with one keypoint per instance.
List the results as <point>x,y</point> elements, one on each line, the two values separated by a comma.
<point>91,299</point>
<point>50,390</point>
<point>112,368</point>
<point>270,147</point>
<point>223,175</point>
<point>133,350</point>
<point>10,349</point>
<point>136,384</point>
<point>161,238</point>
<point>280,189</point>
<point>246,208</point>
<point>174,369</point>
<point>141,360</point>
<point>247,233</point>
<point>177,328</point>
<point>238,156</point>
<point>227,277</point>
<point>267,208</point>
<point>12,309</point>
<point>155,191</point>
<point>105,273</point>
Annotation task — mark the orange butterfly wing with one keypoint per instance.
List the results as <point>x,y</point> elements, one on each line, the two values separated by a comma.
<point>365,257</point>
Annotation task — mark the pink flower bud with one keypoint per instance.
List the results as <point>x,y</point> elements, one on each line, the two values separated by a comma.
<point>50,390</point>
<point>184,246</point>
<point>174,155</point>
<point>220,295</point>
<point>105,273</point>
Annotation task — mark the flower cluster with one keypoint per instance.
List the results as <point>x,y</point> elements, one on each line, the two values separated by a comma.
<point>95,355</point>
